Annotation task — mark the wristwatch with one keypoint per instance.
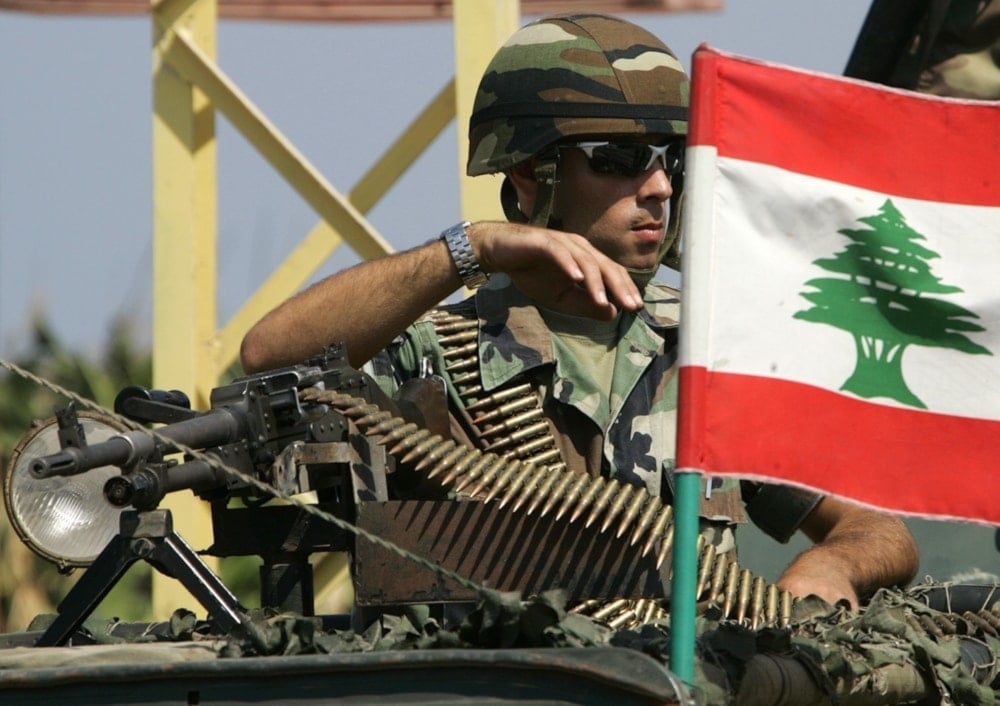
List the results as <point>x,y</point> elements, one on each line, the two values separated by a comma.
<point>457,239</point>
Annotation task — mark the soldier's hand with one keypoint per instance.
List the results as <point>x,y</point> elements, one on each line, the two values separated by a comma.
<point>820,579</point>
<point>561,271</point>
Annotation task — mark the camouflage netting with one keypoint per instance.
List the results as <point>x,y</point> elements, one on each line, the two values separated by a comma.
<point>899,650</point>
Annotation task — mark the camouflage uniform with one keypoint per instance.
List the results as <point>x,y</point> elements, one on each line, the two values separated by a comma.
<point>628,436</point>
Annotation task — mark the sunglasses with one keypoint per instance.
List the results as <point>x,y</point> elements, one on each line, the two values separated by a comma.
<point>630,159</point>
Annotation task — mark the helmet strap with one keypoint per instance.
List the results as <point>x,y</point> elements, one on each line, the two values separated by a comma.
<point>509,202</point>
<point>546,178</point>
<point>672,243</point>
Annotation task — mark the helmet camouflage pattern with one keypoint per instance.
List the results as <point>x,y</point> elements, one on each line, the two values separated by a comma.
<point>574,75</point>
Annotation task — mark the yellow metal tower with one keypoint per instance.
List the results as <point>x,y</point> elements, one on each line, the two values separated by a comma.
<point>190,349</point>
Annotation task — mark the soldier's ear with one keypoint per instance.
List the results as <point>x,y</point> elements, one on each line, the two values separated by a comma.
<point>522,176</point>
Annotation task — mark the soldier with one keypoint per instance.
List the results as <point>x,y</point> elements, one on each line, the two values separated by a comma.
<point>567,334</point>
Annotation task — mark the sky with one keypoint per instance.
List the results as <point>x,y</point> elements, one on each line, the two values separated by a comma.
<point>76,144</point>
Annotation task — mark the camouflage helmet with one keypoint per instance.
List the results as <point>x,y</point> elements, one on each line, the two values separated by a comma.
<point>569,75</point>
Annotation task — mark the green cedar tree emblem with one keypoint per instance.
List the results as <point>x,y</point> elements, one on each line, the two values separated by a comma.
<point>884,301</point>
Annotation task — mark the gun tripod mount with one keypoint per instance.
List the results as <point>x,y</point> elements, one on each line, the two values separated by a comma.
<point>145,536</point>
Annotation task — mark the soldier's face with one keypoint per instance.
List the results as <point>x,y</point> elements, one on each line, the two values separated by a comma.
<point>624,217</point>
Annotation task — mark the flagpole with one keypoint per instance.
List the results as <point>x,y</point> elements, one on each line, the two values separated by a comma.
<point>683,582</point>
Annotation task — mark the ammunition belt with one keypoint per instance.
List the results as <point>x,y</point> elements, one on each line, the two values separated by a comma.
<point>629,511</point>
<point>514,420</point>
<point>511,421</point>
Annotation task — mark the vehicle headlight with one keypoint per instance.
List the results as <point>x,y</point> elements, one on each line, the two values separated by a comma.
<point>64,519</point>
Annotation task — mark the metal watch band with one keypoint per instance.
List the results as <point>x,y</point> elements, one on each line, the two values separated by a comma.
<point>460,249</point>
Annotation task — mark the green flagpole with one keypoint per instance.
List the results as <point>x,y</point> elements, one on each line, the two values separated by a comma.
<point>683,582</point>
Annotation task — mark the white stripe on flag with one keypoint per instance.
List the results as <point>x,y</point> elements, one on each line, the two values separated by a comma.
<point>770,225</point>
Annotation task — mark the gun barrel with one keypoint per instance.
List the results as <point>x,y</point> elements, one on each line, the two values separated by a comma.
<point>72,460</point>
<point>214,428</point>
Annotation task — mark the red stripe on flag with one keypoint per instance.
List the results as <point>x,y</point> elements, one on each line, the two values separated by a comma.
<point>890,457</point>
<point>886,140</point>
<point>704,79</point>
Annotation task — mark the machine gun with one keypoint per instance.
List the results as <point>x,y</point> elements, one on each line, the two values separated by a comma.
<point>105,496</point>
<point>255,425</point>
<point>326,428</point>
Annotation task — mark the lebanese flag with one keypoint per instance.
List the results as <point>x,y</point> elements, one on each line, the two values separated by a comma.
<point>841,269</point>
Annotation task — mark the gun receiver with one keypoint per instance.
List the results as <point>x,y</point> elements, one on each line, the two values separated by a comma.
<point>253,422</point>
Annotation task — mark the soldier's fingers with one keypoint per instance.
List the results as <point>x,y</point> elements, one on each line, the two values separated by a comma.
<point>622,290</point>
<point>605,279</point>
<point>593,280</point>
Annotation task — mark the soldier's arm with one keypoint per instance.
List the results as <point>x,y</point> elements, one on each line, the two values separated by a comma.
<point>856,552</point>
<point>363,307</point>
<point>366,306</point>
